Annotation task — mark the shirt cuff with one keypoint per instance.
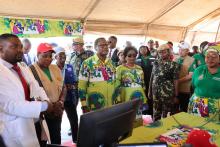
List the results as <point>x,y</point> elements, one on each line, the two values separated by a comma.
<point>44,106</point>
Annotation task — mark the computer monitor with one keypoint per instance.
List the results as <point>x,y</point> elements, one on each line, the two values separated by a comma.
<point>155,144</point>
<point>106,127</point>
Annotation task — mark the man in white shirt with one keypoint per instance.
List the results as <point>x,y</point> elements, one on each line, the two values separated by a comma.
<point>17,87</point>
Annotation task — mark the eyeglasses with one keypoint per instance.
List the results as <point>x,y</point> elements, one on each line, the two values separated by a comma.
<point>132,55</point>
<point>75,44</point>
<point>103,45</point>
<point>211,56</point>
<point>163,51</point>
<point>47,55</point>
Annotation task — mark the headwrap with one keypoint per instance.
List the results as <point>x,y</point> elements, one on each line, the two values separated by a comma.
<point>214,47</point>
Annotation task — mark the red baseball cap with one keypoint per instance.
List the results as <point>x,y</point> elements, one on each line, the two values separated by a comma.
<point>200,138</point>
<point>44,47</point>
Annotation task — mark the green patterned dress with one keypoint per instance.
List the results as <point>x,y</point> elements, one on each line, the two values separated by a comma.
<point>130,85</point>
<point>205,101</point>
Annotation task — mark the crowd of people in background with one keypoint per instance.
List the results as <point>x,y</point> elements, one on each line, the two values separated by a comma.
<point>55,81</point>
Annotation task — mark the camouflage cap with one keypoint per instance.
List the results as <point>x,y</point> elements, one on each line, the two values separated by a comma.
<point>78,40</point>
<point>163,47</point>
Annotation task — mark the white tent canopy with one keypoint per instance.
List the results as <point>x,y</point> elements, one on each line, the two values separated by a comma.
<point>175,20</point>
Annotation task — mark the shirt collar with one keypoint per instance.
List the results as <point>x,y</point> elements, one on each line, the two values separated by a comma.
<point>79,54</point>
<point>98,60</point>
<point>113,50</point>
<point>206,68</point>
<point>5,63</point>
<point>26,55</point>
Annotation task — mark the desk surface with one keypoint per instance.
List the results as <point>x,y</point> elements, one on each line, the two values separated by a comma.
<point>145,134</point>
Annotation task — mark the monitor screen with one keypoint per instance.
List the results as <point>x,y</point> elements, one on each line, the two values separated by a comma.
<point>107,126</point>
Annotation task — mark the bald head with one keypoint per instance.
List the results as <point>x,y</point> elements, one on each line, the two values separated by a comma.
<point>10,48</point>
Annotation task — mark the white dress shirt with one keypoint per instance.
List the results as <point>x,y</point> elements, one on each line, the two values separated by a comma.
<point>16,113</point>
<point>111,51</point>
<point>27,58</point>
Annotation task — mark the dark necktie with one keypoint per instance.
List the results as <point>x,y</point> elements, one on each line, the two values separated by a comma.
<point>28,60</point>
<point>23,81</point>
<point>110,54</point>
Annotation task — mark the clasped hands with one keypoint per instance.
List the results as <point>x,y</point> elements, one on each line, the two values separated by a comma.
<point>55,109</point>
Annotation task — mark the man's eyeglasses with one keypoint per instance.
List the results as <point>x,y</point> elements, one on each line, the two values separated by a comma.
<point>74,44</point>
<point>132,55</point>
<point>163,51</point>
<point>103,45</point>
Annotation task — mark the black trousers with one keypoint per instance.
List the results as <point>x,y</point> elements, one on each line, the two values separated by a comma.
<point>149,111</point>
<point>71,112</point>
<point>184,101</point>
<point>54,126</point>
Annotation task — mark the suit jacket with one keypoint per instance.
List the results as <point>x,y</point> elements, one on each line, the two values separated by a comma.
<point>26,61</point>
<point>16,113</point>
<point>115,57</point>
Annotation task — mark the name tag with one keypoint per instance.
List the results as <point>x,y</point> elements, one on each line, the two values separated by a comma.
<point>69,69</point>
<point>216,78</point>
<point>200,77</point>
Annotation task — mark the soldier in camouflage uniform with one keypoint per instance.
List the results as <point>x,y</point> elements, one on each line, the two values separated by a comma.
<point>79,55</point>
<point>163,83</point>
<point>76,59</point>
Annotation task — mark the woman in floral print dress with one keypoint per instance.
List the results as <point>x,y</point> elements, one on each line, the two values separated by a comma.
<point>130,80</point>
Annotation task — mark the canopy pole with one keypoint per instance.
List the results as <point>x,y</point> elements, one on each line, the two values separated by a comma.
<point>217,32</point>
<point>193,38</point>
<point>184,32</point>
<point>91,9</point>
<point>145,31</point>
<point>173,4</point>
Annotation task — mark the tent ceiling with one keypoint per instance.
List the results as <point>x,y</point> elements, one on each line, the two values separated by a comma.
<point>64,9</point>
<point>164,19</point>
<point>136,11</point>
<point>188,12</point>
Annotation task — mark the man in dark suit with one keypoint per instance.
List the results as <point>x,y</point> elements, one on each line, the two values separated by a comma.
<point>26,49</point>
<point>113,51</point>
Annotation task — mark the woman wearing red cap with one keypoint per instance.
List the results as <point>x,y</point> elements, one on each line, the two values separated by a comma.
<point>50,78</point>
